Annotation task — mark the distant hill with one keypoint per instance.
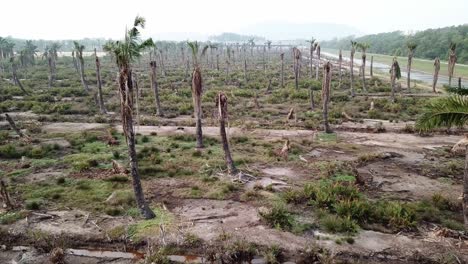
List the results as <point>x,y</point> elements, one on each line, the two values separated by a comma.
<point>291,31</point>
<point>431,42</point>
<point>234,37</point>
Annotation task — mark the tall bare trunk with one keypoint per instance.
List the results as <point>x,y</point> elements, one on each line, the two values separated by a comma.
<point>221,103</point>
<point>317,50</point>
<point>126,105</point>
<point>340,62</point>
<point>311,96</point>
<point>196,95</point>
<point>282,69</point>
<point>297,57</point>
<point>408,78</point>
<point>82,74</point>
<point>217,62</point>
<point>99,84</point>
<point>465,189</point>
<point>51,76</point>
<point>311,62</point>
<point>436,74</point>
<point>161,63</point>
<point>351,69</point>
<point>228,64</point>
<point>245,71</point>
<point>393,80</point>
<point>187,66</point>
<point>371,66</point>
<point>326,85</point>
<point>451,65</point>
<point>154,85</point>
<point>364,71</point>
<point>16,79</point>
<point>75,63</point>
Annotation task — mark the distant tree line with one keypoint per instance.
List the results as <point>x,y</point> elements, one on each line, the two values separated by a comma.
<point>431,43</point>
<point>234,37</point>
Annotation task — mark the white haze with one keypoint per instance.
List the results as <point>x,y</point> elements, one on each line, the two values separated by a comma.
<point>177,19</point>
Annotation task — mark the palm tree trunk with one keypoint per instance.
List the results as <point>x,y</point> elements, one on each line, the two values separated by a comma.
<point>311,95</point>
<point>99,84</point>
<point>408,78</point>
<point>245,71</point>
<point>227,71</point>
<point>75,63</point>
<point>16,79</point>
<point>371,66</point>
<point>126,104</point>
<point>282,70</point>
<point>217,62</point>
<point>340,62</point>
<point>51,72</point>
<point>436,74</point>
<point>82,74</point>
<point>187,66</point>
<point>393,81</point>
<point>196,95</point>
<point>351,70</point>
<point>465,189</point>
<point>161,60</point>
<point>364,73</point>
<point>311,61</point>
<point>222,109</point>
<point>317,67</point>
<point>326,83</point>
<point>154,85</point>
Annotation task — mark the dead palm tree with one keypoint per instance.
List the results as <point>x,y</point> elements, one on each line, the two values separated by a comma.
<point>340,62</point>
<point>99,83</point>
<point>371,66</point>
<point>311,54</point>
<point>221,103</point>
<point>197,89</point>
<point>451,61</point>
<point>317,50</point>
<point>351,66</point>
<point>154,85</point>
<point>326,85</point>
<point>436,74</point>
<point>282,69</point>
<point>79,55</point>
<point>395,73</point>
<point>363,47</point>
<point>16,80</point>
<point>297,59</point>
<point>448,112</point>
<point>411,48</point>
<point>125,52</point>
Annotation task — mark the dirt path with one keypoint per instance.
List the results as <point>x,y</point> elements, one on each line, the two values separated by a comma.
<point>411,142</point>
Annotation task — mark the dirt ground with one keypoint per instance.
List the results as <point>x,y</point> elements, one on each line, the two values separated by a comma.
<point>395,176</point>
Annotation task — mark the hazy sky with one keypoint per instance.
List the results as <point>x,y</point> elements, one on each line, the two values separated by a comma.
<point>48,19</point>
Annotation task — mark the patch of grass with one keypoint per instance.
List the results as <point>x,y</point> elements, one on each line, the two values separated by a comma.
<point>337,224</point>
<point>151,228</point>
<point>11,217</point>
<point>278,217</point>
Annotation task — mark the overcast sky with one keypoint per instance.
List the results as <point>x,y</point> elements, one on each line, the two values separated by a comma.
<point>48,19</point>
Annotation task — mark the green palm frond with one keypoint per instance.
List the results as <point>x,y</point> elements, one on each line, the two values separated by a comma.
<point>411,45</point>
<point>139,22</point>
<point>455,90</point>
<point>444,112</point>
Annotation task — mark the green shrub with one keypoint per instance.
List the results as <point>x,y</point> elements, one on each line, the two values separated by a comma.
<point>337,224</point>
<point>278,217</point>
